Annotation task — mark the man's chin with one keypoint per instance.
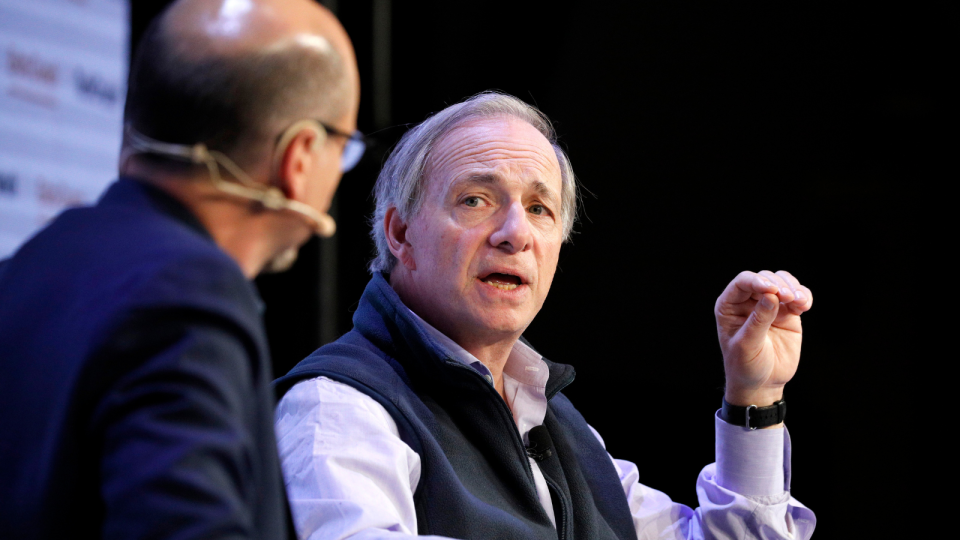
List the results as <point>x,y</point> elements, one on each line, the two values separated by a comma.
<point>282,262</point>
<point>502,325</point>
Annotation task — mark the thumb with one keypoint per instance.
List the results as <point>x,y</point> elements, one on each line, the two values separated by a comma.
<point>759,321</point>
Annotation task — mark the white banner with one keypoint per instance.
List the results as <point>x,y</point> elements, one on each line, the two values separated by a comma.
<point>62,86</point>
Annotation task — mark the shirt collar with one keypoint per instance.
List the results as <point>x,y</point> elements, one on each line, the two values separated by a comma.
<point>524,364</point>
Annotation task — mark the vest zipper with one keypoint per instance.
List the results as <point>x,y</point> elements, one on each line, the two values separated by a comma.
<point>562,522</point>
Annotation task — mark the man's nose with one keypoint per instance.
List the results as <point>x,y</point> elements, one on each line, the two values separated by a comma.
<point>513,232</point>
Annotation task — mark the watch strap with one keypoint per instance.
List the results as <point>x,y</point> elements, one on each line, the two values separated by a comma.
<point>752,416</point>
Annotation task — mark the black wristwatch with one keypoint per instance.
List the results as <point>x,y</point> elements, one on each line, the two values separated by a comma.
<point>754,417</point>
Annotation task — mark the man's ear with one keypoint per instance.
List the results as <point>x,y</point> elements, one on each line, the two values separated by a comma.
<point>297,158</point>
<point>396,232</point>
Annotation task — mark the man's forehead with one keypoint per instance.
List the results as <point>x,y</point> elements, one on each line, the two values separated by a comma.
<point>494,150</point>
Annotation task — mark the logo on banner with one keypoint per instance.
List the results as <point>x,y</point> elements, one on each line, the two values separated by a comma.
<point>34,78</point>
<point>58,194</point>
<point>8,183</point>
<point>32,66</point>
<point>95,87</point>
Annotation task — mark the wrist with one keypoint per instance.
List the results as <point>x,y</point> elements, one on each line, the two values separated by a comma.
<point>761,397</point>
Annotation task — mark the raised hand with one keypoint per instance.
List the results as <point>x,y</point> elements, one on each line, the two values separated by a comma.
<point>758,322</point>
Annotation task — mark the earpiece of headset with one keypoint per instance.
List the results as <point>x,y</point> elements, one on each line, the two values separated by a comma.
<point>320,136</point>
<point>269,196</point>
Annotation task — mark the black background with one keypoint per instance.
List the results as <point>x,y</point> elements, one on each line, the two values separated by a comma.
<point>709,138</point>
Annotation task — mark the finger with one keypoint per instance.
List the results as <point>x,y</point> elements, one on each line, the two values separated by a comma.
<point>745,286</point>
<point>803,298</point>
<point>784,293</point>
<point>754,331</point>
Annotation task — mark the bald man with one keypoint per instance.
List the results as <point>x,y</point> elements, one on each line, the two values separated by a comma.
<point>134,395</point>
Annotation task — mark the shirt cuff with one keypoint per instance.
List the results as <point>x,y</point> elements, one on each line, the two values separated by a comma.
<point>751,462</point>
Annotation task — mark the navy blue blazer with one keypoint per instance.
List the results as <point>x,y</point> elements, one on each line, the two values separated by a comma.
<point>135,394</point>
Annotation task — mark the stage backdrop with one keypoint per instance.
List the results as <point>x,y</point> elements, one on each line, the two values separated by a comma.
<point>710,138</point>
<point>62,87</point>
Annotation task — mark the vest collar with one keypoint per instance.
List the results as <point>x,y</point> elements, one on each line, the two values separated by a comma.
<point>383,319</point>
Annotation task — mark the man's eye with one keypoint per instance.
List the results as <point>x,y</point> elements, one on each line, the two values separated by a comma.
<point>537,209</point>
<point>472,202</point>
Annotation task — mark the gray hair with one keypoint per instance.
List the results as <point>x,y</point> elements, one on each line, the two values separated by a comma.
<point>401,181</point>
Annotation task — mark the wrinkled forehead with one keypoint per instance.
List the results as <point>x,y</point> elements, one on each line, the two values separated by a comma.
<point>504,148</point>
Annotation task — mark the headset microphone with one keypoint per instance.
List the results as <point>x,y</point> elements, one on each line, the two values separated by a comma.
<point>268,196</point>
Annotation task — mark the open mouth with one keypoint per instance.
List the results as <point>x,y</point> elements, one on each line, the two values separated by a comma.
<point>504,282</point>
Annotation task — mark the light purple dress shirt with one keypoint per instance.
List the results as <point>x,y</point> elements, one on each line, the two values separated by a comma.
<point>349,475</point>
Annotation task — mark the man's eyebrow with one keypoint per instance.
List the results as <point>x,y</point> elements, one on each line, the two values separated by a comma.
<point>477,179</point>
<point>540,187</point>
<point>544,191</point>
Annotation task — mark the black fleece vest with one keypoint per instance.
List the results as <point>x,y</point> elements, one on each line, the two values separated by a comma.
<point>476,480</point>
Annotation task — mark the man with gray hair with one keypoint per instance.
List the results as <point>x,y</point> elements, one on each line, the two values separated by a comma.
<point>135,400</point>
<point>434,416</point>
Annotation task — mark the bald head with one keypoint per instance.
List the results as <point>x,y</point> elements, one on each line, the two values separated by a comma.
<point>227,26</point>
<point>233,74</point>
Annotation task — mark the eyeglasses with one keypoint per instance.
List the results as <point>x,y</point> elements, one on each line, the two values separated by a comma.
<point>353,150</point>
